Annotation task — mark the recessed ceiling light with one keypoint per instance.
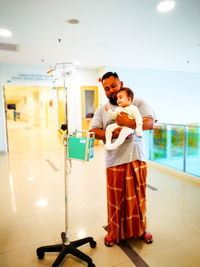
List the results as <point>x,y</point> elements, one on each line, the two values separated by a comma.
<point>166,5</point>
<point>73,21</point>
<point>5,33</point>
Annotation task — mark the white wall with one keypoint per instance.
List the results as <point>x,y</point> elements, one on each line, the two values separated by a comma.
<point>84,77</point>
<point>174,96</point>
<point>102,97</point>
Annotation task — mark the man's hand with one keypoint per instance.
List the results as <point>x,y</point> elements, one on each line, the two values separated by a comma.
<point>116,132</point>
<point>123,120</point>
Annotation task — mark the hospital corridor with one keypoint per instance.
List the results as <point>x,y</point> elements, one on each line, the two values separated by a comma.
<point>33,212</point>
<point>67,64</point>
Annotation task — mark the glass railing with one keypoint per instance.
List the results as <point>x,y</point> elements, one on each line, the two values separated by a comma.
<point>176,146</point>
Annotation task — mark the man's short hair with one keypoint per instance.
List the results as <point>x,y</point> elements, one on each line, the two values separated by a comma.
<point>108,75</point>
<point>128,91</point>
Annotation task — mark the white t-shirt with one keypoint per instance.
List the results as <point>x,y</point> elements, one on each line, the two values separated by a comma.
<point>132,148</point>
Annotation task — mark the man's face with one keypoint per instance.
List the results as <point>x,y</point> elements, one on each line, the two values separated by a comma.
<point>111,86</point>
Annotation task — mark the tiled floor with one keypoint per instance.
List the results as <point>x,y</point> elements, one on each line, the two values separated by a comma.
<point>32,207</point>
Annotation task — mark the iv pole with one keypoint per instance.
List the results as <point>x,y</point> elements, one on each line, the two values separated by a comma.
<point>66,247</point>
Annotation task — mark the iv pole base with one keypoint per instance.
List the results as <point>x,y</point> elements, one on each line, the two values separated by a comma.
<point>65,249</point>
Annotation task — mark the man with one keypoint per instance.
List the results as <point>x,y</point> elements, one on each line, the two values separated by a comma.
<point>126,169</point>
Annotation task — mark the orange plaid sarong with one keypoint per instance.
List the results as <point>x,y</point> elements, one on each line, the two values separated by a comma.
<point>126,200</point>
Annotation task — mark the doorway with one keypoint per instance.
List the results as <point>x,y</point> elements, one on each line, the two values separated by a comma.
<point>31,112</point>
<point>89,98</point>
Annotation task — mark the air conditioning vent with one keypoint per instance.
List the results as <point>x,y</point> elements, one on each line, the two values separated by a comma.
<point>9,47</point>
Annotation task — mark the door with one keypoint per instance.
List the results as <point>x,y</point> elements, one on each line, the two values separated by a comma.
<point>89,99</point>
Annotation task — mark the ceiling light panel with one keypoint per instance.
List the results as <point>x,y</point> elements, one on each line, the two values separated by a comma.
<point>5,33</point>
<point>166,5</point>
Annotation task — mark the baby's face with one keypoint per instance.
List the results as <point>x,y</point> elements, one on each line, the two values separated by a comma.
<point>122,99</point>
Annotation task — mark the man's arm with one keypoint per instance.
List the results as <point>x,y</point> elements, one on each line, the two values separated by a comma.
<point>123,120</point>
<point>100,134</point>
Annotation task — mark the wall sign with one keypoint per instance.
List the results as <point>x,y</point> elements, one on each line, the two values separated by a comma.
<point>32,77</point>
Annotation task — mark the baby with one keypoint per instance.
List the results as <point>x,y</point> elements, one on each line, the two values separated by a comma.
<point>124,99</point>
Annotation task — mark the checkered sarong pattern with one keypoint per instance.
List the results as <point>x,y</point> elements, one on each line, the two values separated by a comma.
<point>126,200</point>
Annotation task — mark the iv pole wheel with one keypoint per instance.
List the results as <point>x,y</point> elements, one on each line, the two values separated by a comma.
<point>91,265</point>
<point>93,244</point>
<point>40,254</point>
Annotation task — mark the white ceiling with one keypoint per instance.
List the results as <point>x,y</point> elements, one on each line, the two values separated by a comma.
<point>110,33</point>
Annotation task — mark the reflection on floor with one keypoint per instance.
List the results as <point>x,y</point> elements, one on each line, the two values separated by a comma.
<point>32,207</point>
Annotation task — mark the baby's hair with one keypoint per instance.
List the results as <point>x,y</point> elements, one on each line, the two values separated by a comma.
<point>128,91</point>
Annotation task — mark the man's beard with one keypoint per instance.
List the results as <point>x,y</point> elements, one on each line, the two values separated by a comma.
<point>113,101</point>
